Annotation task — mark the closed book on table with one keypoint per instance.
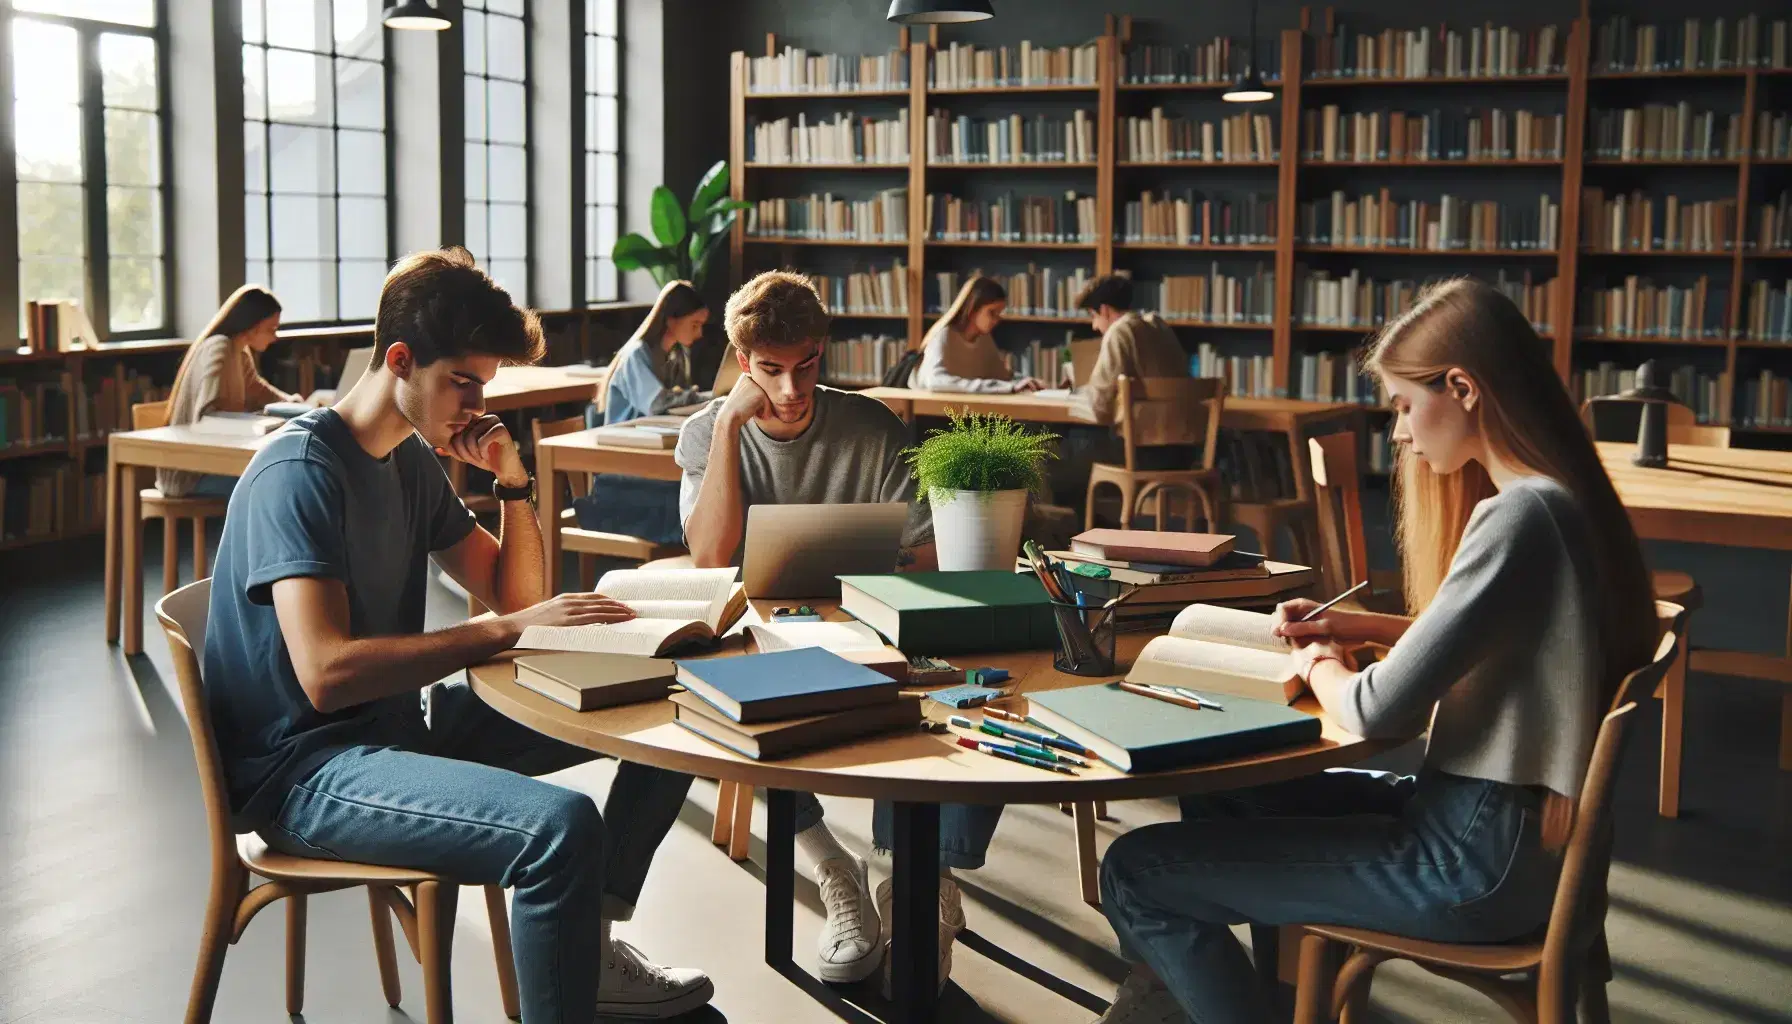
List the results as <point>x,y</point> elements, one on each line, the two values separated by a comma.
<point>1135,733</point>
<point>937,613</point>
<point>784,684</point>
<point>769,741</point>
<point>1158,546</point>
<point>585,682</point>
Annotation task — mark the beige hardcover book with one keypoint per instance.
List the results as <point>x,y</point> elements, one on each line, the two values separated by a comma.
<point>1220,650</point>
<point>585,682</point>
<point>672,607</point>
<point>854,641</point>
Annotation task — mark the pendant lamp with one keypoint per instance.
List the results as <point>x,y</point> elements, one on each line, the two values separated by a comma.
<point>939,12</point>
<point>1249,88</point>
<point>415,14</point>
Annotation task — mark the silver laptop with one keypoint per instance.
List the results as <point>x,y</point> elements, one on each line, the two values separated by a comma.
<point>354,367</point>
<point>797,550</point>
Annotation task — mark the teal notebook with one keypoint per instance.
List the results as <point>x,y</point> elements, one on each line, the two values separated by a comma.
<point>784,684</point>
<point>1139,734</point>
<point>952,612</point>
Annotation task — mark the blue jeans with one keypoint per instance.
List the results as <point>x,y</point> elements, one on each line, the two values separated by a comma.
<point>458,805</point>
<point>211,485</point>
<point>965,829</point>
<point>1443,858</point>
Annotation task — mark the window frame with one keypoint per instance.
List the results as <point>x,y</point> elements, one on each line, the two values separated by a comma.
<point>484,76</point>
<point>97,277</point>
<point>585,248</point>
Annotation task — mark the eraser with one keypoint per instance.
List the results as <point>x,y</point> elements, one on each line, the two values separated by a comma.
<point>967,696</point>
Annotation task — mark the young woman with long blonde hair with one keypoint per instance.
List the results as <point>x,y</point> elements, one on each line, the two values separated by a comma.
<point>218,374</point>
<point>1531,603</point>
<point>960,352</point>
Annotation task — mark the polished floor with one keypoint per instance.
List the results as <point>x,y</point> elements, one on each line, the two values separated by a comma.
<point>103,864</point>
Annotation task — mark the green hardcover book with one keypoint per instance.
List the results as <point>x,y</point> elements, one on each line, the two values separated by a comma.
<point>1135,733</point>
<point>952,612</point>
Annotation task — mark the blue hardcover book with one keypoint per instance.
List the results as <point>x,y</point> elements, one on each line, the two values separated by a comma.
<point>784,684</point>
<point>1139,734</point>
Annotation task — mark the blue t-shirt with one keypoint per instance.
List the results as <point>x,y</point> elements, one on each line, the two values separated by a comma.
<point>314,503</point>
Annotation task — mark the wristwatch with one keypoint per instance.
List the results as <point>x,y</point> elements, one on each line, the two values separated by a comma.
<point>524,493</point>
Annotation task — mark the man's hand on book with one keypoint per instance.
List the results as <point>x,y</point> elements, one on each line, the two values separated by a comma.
<point>486,444</point>
<point>570,610</point>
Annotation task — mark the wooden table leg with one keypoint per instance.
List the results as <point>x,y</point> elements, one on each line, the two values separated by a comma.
<point>1786,732</point>
<point>547,503</point>
<point>129,517</point>
<point>112,541</point>
<point>1088,869</point>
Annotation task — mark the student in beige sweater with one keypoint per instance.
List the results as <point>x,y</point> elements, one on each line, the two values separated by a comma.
<point>218,374</point>
<point>960,353</point>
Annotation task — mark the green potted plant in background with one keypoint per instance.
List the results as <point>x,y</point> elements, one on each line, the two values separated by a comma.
<point>976,474</point>
<point>688,236</point>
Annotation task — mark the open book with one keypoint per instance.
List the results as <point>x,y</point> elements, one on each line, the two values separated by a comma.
<point>672,607</point>
<point>854,641</point>
<point>1220,650</point>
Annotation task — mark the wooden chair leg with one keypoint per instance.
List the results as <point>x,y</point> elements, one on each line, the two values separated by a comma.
<point>1129,493</point>
<point>295,954</point>
<point>723,827</point>
<point>199,567</point>
<point>170,554</point>
<point>436,902</point>
<point>1089,504</point>
<point>499,914</point>
<point>1088,868</point>
<point>1101,810</point>
<point>740,839</point>
<point>214,936</point>
<point>1594,1009</point>
<point>380,913</point>
<point>1313,984</point>
<point>1673,731</point>
<point>587,572</point>
<point>1786,732</point>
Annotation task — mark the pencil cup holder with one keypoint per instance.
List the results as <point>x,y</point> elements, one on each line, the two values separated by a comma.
<point>1085,640</point>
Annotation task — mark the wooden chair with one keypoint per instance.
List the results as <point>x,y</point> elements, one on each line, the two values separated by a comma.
<point>1570,954</point>
<point>1154,412</point>
<point>427,916</point>
<point>1343,544</point>
<point>589,544</point>
<point>1678,588</point>
<point>173,511</point>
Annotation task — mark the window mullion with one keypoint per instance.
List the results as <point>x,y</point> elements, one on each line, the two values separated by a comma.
<point>93,144</point>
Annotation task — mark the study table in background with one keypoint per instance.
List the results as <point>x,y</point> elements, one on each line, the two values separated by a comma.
<point>580,452</point>
<point>916,770</point>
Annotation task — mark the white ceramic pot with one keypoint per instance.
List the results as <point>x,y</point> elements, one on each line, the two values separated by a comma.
<point>977,529</point>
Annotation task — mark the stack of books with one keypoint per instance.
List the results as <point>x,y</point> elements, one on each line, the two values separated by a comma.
<point>1161,572</point>
<point>775,704</point>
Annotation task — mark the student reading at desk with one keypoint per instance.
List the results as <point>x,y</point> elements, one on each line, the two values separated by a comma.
<point>652,371</point>
<point>1533,604</point>
<point>779,438</point>
<point>218,374</point>
<point>960,353</point>
<point>315,657</point>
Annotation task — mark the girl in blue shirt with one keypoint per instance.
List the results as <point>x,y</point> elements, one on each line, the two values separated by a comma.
<point>652,371</point>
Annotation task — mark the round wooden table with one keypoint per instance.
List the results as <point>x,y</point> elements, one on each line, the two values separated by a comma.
<point>917,771</point>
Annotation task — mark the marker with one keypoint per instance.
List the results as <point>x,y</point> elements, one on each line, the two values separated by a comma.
<point>1042,739</point>
<point>1016,744</point>
<point>995,751</point>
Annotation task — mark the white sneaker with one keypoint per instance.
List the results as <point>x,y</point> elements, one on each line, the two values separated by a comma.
<point>848,948</point>
<point>951,923</point>
<point>629,985</point>
<point>1141,1001</point>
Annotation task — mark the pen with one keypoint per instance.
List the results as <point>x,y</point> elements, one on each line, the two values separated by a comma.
<point>995,751</point>
<point>1315,612</point>
<point>1041,738</point>
<point>1013,745</point>
<point>1206,702</point>
<point>1155,694</point>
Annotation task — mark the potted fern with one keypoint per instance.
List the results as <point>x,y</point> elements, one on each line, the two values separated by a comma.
<point>976,474</point>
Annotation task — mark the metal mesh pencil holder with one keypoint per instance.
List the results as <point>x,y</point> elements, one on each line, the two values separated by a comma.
<point>1085,639</point>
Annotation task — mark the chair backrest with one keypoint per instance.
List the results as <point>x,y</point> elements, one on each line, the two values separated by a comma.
<point>183,615</point>
<point>1337,479</point>
<point>1581,889</point>
<point>149,415</point>
<point>579,482</point>
<point>1154,411</point>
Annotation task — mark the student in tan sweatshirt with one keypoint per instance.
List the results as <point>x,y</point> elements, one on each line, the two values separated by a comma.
<point>1133,344</point>
<point>960,353</point>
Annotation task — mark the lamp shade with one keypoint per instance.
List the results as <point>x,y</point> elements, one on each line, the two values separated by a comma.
<point>939,12</point>
<point>1248,89</point>
<point>415,14</point>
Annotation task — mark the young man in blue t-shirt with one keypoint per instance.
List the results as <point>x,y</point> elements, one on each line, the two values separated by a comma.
<point>315,657</point>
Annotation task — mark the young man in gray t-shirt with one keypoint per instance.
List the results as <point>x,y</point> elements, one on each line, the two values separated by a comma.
<point>776,438</point>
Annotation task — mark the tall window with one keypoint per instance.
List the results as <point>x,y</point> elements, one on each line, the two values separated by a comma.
<point>496,41</point>
<point>88,129</point>
<point>314,151</point>
<point>603,115</point>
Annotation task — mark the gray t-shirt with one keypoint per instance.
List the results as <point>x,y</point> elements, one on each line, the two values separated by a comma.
<point>314,503</point>
<point>850,455</point>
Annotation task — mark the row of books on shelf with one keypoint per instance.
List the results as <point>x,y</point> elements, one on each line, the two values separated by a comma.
<point>1010,140</point>
<point>1664,131</point>
<point>57,325</point>
<point>861,361</point>
<point>1158,138</point>
<point>962,66</point>
<point>1768,316</point>
<point>36,412</point>
<point>1213,297</point>
<point>1329,135</point>
<point>1636,306</point>
<point>1640,222</point>
<point>1035,291</point>
<point>843,139</point>
<point>1007,218</point>
<point>1621,44</point>
<point>1323,299</point>
<point>1773,223</point>
<point>1254,465</point>
<point>1703,393</point>
<point>1335,377</point>
<point>1379,221</point>
<point>1766,401</point>
<point>47,501</point>
<point>1192,218</point>
<point>1773,135</point>
<point>1487,51</point>
<point>870,291</point>
<point>1220,60</point>
<point>883,217</point>
<point>798,70</point>
<point>1246,376</point>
